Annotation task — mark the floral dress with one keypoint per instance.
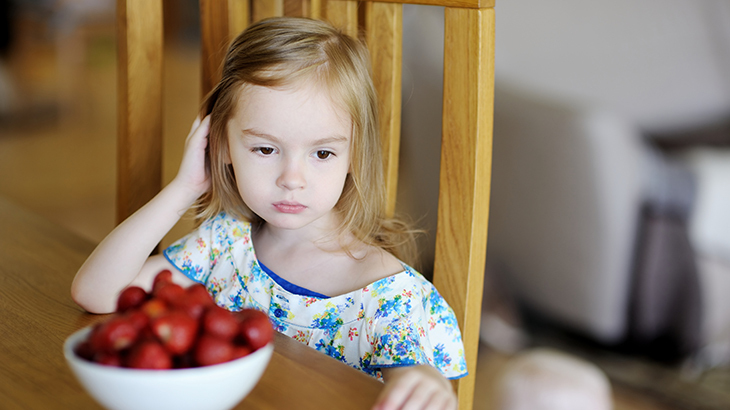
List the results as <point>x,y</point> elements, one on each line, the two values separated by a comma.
<point>399,320</point>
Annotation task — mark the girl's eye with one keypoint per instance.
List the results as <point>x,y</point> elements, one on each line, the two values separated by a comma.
<point>264,150</point>
<point>324,154</point>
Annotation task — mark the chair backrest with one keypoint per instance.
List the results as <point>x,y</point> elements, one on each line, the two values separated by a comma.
<point>466,145</point>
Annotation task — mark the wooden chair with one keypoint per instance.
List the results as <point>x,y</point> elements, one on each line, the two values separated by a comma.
<point>467,119</point>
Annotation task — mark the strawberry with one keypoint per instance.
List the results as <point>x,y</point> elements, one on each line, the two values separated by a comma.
<point>176,330</point>
<point>161,278</point>
<point>220,322</point>
<point>212,350</point>
<point>184,361</point>
<point>108,359</point>
<point>130,298</point>
<point>153,308</point>
<point>148,354</point>
<point>200,294</point>
<point>195,300</point>
<point>240,351</point>
<point>188,304</point>
<point>116,334</point>
<point>168,292</point>
<point>85,351</point>
<point>255,328</point>
<point>138,318</point>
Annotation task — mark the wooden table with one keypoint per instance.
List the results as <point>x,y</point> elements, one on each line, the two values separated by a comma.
<point>38,260</point>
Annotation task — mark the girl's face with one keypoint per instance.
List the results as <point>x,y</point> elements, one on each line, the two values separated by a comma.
<point>290,150</point>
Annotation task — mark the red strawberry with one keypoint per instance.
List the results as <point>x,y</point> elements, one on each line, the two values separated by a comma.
<point>148,354</point>
<point>168,292</point>
<point>255,328</point>
<point>153,308</point>
<point>108,359</point>
<point>220,322</point>
<point>212,350</point>
<point>176,330</point>
<point>130,298</point>
<point>85,351</point>
<point>138,318</point>
<point>161,278</point>
<point>240,351</point>
<point>200,294</point>
<point>189,305</point>
<point>184,361</point>
<point>113,335</point>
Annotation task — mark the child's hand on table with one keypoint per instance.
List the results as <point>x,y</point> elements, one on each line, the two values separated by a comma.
<point>415,387</point>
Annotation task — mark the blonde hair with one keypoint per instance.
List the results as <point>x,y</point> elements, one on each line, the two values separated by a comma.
<point>285,51</point>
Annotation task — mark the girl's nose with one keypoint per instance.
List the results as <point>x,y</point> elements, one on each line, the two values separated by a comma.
<point>291,176</point>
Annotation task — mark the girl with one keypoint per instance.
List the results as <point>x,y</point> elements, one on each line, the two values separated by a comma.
<point>287,158</point>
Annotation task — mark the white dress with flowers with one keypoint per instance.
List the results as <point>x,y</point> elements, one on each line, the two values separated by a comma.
<point>399,320</point>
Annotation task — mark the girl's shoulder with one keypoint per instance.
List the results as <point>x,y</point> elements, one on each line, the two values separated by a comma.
<point>408,284</point>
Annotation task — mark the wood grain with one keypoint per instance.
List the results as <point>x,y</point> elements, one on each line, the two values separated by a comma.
<point>239,16</point>
<point>267,8</point>
<point>343,15</point>
<point>384,36</point>
<point>215,36</point>
<point>139,151</point>
<point>464,181</point>
<point>469,4</point>
<point>297,8</point>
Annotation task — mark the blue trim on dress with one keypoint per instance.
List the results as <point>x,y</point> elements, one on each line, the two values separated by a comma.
<point>394,365</point>
<point>295,289</point>
<point>179,269</point>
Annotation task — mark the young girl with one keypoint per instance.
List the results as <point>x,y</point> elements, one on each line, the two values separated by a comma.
<point>285,172</point>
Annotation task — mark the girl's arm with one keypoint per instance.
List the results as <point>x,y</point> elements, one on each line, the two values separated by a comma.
<point>415,387</point>
<point>122,258</point>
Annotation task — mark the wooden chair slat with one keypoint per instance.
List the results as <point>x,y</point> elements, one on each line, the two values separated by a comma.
<point>384,35</point>
<point>215,35</point>
<point>139,153</point>
<point>464,182</point>
<point>343,14</point>
<point>297,8</point>
<point>239,16</point>
<point>267,8</point>
<point>467,4</point>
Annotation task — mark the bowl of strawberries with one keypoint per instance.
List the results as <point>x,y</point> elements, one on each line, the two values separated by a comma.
<point>171,348</point>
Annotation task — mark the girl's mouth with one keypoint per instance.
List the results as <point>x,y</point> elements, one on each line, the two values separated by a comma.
<point>287,207</point>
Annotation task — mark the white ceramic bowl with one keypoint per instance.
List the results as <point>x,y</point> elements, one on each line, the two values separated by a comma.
<point>217,387</point>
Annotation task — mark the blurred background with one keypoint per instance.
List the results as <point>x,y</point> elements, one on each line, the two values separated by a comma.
<point>609,233</point>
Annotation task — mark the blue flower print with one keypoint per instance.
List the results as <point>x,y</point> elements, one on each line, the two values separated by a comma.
<point>436,302</point>
<point>329,349</point>
<point>440,357</point>
<point>328,318</point>
<point>398,306</point>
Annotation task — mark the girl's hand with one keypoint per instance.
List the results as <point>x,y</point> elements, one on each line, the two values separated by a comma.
<point>192,173</point>
<point>415,387</point>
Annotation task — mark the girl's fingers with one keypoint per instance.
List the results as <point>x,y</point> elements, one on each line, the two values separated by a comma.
<point>420,398</point>
<point>199,127</point>
<point>419,387</point>
<point>395,394</point>
<point>441,401</point>
<point>195,124</point>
